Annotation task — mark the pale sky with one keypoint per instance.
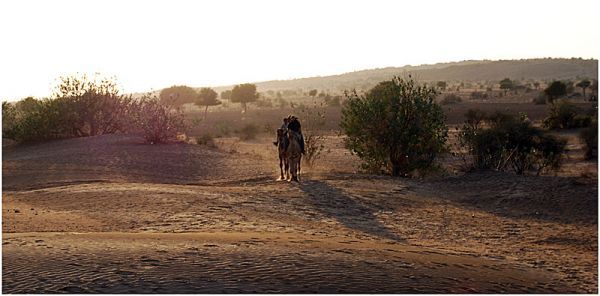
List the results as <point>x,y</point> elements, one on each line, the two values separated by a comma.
<point>155,44</point>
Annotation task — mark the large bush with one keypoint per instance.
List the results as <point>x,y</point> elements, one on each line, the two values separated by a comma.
<point>32,120</point>
<point>396,127</point>
<point>80,107</point>
<point>505,142</point>
<point>83,107</point>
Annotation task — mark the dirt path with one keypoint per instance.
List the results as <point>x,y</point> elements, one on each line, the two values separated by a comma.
<point>219,222</point>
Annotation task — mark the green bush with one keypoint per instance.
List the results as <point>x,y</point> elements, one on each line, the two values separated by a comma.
<point>249,132</point>
<point>80,107</point>
<point>9,119</point>
<point>511,143</point>
<point>565,115</point>
<point>396,127</point>
<point>37,120</point>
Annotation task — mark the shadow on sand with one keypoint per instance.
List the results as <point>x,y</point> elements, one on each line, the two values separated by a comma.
<point>333,202</point>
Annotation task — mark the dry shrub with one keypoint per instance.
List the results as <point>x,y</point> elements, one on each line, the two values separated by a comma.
<point>157,122</point>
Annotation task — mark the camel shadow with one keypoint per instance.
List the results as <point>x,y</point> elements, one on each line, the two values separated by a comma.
<point>350,212</point>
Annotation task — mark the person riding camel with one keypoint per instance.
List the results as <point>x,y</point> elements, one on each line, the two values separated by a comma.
<point>291,122</point>
<point>294,125</point>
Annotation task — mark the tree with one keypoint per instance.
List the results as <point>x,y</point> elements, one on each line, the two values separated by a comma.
<point>506,84</point>
<point>584,84</point>
<point>226,95</point>
<point>442,85</point>
<point>312,93</point>
<point>207,97</point>
<point>244,94</point>
<point>396,127</point>
<point>555,90</point>
<point>178,95</point>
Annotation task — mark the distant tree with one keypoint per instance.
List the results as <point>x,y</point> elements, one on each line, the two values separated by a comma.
<point>244,94</point>
<point>555,90</point>
<point>178,95</point>
<point>536,85</point>
<point>584,84</point>
<point>506,84</point>
<point>206,98</point>
<point>312,93</point>
<point>226,95</point>
<point>442,85</point>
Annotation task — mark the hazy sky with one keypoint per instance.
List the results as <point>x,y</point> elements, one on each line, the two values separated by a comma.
<point>155,44</point>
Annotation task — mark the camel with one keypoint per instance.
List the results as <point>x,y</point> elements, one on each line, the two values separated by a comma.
<point>294,154</point>
<point>282,145</point>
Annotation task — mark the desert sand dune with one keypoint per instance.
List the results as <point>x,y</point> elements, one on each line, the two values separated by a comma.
<point>109,214</point>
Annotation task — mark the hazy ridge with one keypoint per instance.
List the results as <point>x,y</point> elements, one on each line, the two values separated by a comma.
<point>473,70</point>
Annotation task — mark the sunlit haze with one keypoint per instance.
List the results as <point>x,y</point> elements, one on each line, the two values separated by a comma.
<point>155,44</point>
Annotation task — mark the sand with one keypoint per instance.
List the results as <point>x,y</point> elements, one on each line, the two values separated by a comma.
<point>110,214</point>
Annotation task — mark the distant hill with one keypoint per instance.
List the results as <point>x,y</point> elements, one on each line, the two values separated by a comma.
<point>537,69</point>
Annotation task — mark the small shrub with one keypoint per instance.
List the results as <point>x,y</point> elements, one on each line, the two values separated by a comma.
<point>206,139</point>
<point>249,132</point>
<point>450,99</point>
<point>561,115</point>
<point>474,118</point>
<point>313,119</point>
<point>224,128</point>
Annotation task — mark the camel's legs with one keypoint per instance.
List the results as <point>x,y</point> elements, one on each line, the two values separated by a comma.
<point>281,167</point>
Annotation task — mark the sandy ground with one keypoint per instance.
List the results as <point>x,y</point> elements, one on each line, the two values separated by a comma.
<point>109,214</point>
